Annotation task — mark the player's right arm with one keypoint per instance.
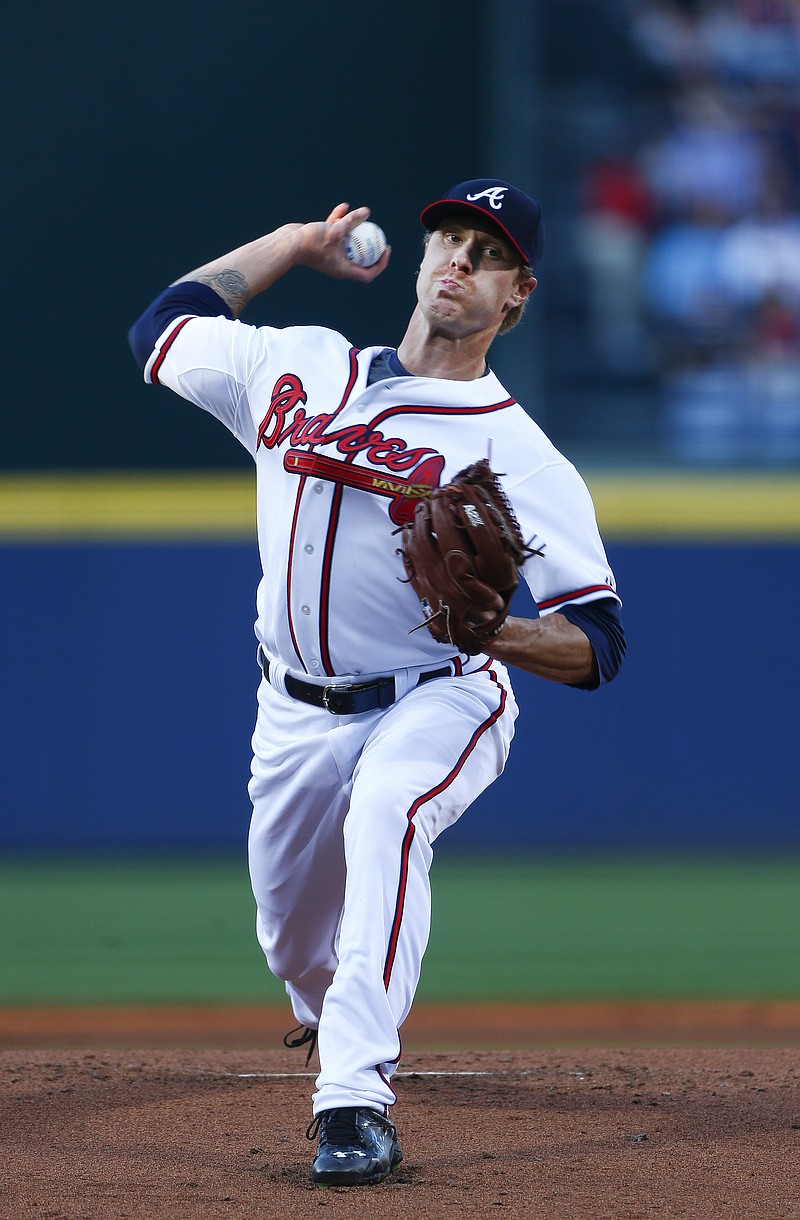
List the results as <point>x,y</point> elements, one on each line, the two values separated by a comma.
<point>249,270</point>
<point>210,361</point>
<point>224,286</point>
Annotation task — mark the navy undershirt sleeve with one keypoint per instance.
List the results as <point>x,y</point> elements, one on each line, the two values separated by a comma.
<point>601,622</point>
<point>188,297</point>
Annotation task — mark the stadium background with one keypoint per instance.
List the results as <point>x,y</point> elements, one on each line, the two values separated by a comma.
<point>145,139</point>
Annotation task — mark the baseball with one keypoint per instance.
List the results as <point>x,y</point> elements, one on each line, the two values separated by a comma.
<point>365,244</point>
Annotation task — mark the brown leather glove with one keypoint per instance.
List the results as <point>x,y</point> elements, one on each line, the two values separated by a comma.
<point>462,554</point>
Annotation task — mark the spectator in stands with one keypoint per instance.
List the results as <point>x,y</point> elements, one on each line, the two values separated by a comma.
<point>710,156</point>
<point>614,227</point>
<point>681,280</point>
<point>760,254</point>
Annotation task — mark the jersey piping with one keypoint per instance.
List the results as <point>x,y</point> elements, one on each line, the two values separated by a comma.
<point>165,346</point>
<point>423,409</point>
<point>587,591</point>
<point>325,583</point>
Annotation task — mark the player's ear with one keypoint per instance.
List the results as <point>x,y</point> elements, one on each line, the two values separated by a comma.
<point>526,286</point>
<point>522,290</point>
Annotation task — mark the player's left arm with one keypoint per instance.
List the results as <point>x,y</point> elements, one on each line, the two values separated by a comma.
<point>557,648</point>
<point>580,641</point>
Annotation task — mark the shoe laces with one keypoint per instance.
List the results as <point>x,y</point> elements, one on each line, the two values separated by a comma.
<point>340,1126</point>
<point>306,1036</point>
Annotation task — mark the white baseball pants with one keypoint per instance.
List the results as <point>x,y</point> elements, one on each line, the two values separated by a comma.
<point>345,814</point>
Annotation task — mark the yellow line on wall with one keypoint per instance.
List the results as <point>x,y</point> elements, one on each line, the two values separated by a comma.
<point>221,506</point>
<point>697,506</point>
<point>127,506</point>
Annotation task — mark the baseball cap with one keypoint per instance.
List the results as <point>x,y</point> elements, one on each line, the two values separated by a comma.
<point>516,214</point>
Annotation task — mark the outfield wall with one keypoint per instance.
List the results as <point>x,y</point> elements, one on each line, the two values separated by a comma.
<point>129,674</point>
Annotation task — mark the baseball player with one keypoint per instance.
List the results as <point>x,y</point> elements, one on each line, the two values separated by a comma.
<point>371,737</point>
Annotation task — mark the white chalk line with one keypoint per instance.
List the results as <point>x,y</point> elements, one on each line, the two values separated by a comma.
<point>313,1075</point>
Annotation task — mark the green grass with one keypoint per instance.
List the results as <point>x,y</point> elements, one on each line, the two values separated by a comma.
<point>636,928</point>
<point>617,928</point>
<point>132,931</point>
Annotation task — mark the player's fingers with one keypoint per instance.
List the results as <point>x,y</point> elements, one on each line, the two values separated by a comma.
<point>351,219</point>
<point>338,212</point>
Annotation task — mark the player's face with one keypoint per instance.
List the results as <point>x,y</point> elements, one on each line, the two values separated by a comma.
<point>469,278</point>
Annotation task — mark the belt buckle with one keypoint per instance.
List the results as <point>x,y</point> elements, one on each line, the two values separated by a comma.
<point>338,700</point>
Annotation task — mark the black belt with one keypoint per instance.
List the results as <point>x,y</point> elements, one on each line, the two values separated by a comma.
<point>349,700</point>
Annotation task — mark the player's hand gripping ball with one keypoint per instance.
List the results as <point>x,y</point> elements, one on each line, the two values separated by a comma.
<point>364,244</point>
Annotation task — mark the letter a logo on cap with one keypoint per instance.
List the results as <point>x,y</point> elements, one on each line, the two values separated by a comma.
<point>512,211</point>
<point>495,196</point>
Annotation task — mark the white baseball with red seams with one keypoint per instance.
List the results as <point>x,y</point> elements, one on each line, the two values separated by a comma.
<point>346,808</point>
<point>364,244</point>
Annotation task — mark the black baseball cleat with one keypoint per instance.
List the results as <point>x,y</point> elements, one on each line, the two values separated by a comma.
<point>357,1147</point>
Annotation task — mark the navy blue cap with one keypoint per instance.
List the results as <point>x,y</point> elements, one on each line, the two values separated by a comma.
<point>516,214</point>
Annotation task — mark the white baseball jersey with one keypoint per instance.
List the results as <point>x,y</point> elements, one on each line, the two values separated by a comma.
<point>341,464</point>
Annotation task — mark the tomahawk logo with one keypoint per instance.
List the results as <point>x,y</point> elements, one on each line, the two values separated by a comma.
<point>494,194</point>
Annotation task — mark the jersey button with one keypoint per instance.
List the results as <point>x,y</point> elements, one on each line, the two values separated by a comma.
<point>306,609</point>
<point>308,548</point>
<point>318,488</point>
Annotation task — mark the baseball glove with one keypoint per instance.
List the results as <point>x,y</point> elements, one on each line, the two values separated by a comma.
<point>462,553</point>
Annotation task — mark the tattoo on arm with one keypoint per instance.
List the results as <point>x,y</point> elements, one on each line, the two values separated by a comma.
<point>231,286</point>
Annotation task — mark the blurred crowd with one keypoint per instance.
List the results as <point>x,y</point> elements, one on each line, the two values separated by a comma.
<point>690,227</point>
